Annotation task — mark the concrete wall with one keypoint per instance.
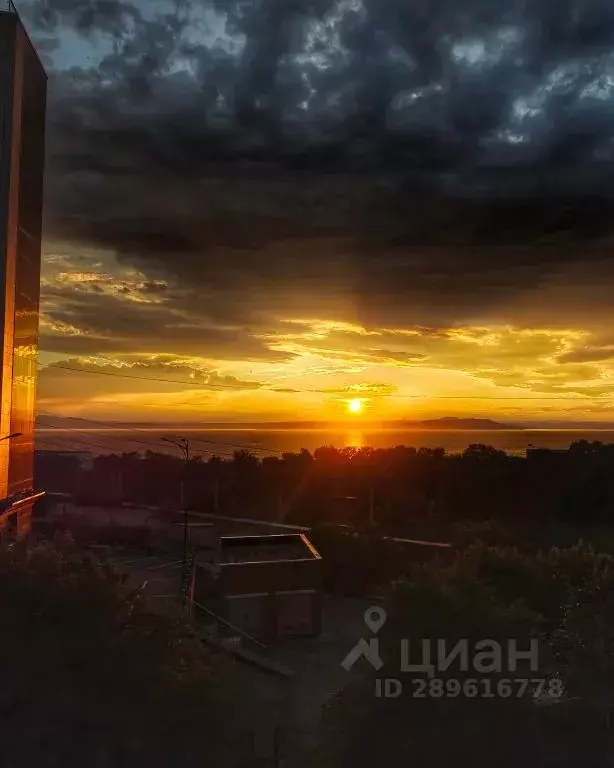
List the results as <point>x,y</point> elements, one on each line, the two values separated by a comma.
<point>270,617</point>
<point>246,578</point>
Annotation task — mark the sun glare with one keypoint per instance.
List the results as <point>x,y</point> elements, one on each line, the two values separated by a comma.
<point>355,406</point>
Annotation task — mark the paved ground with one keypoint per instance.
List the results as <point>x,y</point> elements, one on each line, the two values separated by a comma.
<point>315,663</point>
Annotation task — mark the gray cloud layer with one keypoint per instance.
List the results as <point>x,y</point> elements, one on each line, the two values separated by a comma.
<point>383,132</point>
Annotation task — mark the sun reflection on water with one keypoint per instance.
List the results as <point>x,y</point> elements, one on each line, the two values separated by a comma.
<point>354,439</point>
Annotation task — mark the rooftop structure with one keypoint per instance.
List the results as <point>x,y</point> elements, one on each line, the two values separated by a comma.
<point>263,549</point>
<point>269,586</point>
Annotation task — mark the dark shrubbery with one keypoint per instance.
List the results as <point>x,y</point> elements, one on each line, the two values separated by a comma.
<point>561,598</point>
<point>399,488</point>
<point>90,677</point>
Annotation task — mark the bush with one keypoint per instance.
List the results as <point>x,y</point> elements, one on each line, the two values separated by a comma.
<point>561,598</point>
<point>90,677</point>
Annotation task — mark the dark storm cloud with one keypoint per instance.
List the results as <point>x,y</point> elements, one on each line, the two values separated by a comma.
<point>100,16</point>
<point>397,129</point>
<point>180,340</point>
<point>84,322</point>
<point>74,378</point>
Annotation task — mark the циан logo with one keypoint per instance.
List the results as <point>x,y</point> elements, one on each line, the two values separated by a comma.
<point>375,618</point>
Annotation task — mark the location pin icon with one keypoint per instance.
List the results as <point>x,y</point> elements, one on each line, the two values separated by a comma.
<point>375,618</point>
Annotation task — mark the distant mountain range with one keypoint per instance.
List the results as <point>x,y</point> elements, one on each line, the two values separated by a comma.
<point>446,423</point>
<point>451,422</point>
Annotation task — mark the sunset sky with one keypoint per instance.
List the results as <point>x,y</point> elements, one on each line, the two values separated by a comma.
<point>263,209</point>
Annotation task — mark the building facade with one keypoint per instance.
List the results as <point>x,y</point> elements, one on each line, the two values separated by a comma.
<point>267,586</point>
<point>23,96</point>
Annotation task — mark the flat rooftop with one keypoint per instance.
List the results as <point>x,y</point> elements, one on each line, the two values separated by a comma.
<point>266,548</point>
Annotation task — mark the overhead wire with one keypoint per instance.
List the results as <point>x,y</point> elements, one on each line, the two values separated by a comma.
<point>357,393</point>
<point>124,428</point>
<point>122,440</point>
<point>201,384</point>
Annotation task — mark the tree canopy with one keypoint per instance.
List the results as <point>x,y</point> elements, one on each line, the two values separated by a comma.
<point>91,677</point>
<point>561,599</point>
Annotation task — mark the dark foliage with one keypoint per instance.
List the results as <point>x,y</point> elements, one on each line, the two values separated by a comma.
<point>394,489</point>
<point>90,677</point>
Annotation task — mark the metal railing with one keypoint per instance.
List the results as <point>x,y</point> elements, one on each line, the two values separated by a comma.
<point>227,624</point>
<point>6,6</point>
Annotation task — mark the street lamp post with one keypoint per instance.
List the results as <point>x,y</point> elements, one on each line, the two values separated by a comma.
<point>14,434</point>
<point>183,444</point>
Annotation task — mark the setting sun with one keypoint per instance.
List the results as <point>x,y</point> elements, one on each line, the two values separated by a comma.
<point>355,406</point>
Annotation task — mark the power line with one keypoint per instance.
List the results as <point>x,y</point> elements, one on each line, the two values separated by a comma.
<point>120,426</point>
<point>123,427</point>
<point>109,449</point>
<point>74,441</point>
<point>201,384</point>
<point>553,398</point>
<point>109,437</point>
<point>122,440</point>
<point>53,445</point>
<point>222,387</point>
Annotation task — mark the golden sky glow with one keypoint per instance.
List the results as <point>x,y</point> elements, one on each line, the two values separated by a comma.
<point>298,368</point>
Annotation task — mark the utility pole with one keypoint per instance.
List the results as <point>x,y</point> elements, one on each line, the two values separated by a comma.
<point>372,505</point>
<point>119,485</point>
<point>184,444</point>
<point>216,496</point>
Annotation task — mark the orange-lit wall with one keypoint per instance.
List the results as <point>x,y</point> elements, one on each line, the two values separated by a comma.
<point>23,88</point>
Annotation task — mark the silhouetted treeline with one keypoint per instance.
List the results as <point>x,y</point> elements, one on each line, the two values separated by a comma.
<point>387,488</point>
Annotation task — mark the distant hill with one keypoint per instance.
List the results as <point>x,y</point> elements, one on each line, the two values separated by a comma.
<point>445,423</point>
<point>451,422</point>
<point>585,426</point>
